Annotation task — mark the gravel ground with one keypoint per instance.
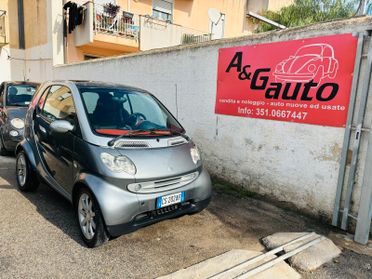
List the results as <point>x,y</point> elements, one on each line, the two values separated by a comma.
<point>40,239</point>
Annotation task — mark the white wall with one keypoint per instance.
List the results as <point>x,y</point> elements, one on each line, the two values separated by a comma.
<point>4,64</point>
<point>295,163</point>
<point>35,63</point>
<point>157,34</point>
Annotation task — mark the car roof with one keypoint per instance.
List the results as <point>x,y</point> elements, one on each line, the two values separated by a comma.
<point>21,83</point>
<point>90,83</point>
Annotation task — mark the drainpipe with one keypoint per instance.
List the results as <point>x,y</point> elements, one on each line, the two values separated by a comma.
<point>21,24</point>
<point>128,5</point>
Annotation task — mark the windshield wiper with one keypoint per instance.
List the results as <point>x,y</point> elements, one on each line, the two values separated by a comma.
<point>153,131</point>
<point>178,133</point>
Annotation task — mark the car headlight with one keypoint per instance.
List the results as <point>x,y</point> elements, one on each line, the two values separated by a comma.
<point>17,123</point>
<point>279,67</point>
<point>195,154</point>
<point>118,163</point>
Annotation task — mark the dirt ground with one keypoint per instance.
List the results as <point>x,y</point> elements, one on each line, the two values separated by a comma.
<point>40,239</point>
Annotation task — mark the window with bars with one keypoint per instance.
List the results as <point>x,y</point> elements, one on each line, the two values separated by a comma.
<point>162,9</point>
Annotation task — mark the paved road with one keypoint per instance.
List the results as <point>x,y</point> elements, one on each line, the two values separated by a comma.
<point>39,237</point>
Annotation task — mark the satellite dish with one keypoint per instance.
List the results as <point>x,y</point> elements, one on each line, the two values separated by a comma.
<point>214,15</point>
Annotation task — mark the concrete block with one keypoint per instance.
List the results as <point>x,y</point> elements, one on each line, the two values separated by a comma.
<point>309,259</point>
<point>213,266</point>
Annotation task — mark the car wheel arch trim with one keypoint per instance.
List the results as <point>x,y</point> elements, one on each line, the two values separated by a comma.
<point>75,196</point>
<point>80,184</point>
<point>25,146</point>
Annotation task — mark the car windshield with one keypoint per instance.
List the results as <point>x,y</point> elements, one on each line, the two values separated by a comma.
<point>20,94</point>
<point>309,50</point>
<point>117,111</point>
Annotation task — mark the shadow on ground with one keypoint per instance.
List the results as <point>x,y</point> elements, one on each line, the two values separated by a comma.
<point>49,204</point>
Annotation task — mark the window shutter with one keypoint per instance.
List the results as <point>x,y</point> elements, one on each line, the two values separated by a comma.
<point>163,6</point>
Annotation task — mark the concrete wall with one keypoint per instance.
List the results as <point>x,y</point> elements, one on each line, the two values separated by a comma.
<point>157,34</point>
<point>4,62</point>
<point>293,163</point>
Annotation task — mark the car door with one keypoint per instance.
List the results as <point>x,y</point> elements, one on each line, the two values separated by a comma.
<point>56,149</point>
<point>2,109</point>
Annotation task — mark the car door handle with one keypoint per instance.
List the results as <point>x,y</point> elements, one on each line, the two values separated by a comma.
<point>42,129</point>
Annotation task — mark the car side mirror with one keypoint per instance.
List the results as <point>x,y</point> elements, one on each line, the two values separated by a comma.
<point>61,126</point>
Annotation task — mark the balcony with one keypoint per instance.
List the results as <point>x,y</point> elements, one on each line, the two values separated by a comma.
<point>3,38</point>
<point>123,24</point>
<point>195,39</point>
<point>105,34</point>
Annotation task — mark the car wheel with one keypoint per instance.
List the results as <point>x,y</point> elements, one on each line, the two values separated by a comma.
<point>90,220</point>
<point>27,179</point>
<point>319,75</point>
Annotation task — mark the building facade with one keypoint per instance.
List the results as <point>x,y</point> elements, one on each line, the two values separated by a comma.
<point>32,37</point>
<point>147,24</point>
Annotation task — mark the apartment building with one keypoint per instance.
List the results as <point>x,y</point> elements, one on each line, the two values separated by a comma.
<point>33,37</point>
<point>140,25</point>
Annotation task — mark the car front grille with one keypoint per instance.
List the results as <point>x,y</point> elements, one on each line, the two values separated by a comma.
<point>150,143</point>
<point>156,186</point>
<point>131,144</point>
<point>161,212</point>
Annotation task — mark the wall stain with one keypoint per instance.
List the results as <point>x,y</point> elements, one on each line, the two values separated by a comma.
<point>332,154</point>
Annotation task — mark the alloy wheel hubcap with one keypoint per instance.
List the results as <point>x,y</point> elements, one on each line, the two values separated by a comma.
<point>21,170</point>
<point>86,216</point>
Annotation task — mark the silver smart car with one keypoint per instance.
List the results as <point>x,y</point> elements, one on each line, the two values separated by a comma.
<point>115,152</point>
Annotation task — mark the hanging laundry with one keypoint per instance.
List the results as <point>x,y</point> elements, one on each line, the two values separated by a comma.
<point>76,16</point>
<point>81,15</point>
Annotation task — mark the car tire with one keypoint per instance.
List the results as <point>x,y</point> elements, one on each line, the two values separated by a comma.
<point>27,179</point>
<point>319,75</point>
<point>90,220</point>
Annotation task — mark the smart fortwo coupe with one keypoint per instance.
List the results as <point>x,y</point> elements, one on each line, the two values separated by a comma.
<point>115,152</point>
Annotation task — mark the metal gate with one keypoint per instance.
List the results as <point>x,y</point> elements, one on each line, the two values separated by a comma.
<point>358,132</point>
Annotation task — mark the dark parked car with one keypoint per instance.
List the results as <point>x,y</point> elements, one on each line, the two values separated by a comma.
<point>14,100</point>
<point>115,152</point>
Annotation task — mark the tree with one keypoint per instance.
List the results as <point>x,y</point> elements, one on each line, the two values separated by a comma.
<point>304,12</point>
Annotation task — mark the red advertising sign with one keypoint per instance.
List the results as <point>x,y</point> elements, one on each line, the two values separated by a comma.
<point>305,81</point>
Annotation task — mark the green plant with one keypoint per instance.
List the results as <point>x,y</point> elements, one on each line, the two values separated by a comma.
<point>111,9</point>
<point>304,12</point>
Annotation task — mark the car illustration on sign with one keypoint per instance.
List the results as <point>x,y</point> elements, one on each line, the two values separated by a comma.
<point>310,62</point>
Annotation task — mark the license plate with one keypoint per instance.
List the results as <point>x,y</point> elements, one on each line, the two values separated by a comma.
<point>170,199</point>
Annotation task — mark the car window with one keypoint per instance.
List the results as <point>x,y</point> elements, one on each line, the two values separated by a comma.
<point>309,50</point>
<point>41,101</point>
<point>111,108</point>
<point>327,52</point>
<point>1,89</point>
<point>59,104</point>
<point>90,100</point>
<point>20,94</point>
<point>145,104</point>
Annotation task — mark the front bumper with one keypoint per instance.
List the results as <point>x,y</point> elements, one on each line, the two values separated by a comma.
<point>295,77</point>
<point>154,216</point>
<point>124,211</point>
<point>11,142</point>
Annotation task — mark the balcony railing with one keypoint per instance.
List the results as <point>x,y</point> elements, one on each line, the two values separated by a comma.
<point>192,39</point>
<point>123,24</point>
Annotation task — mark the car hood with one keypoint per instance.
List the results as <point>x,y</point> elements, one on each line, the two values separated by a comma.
<point>16,112</point>
<point>159,163</point>
<point>297,64</point>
